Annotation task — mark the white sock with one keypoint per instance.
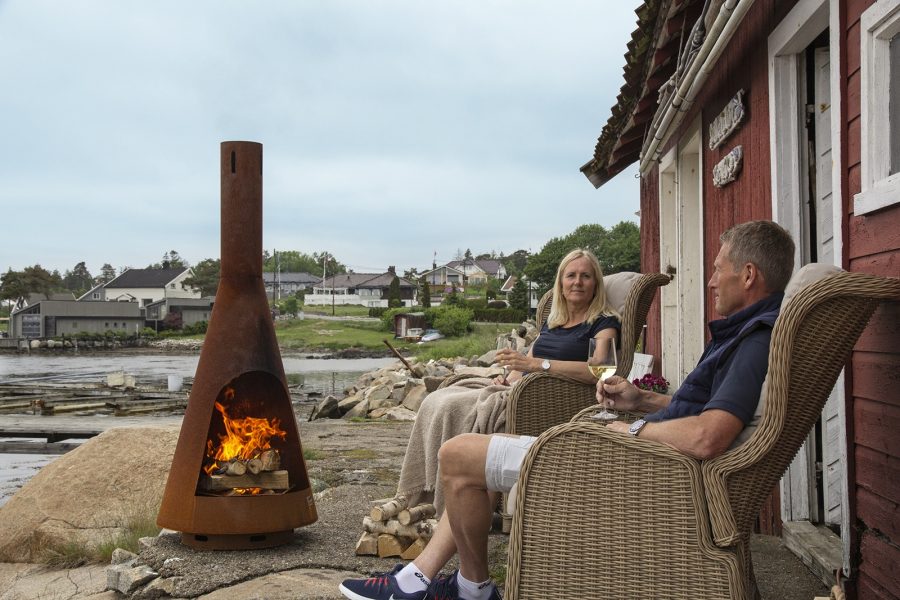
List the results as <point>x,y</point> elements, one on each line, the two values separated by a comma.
<point>469,590</point>
<point>410,579</point>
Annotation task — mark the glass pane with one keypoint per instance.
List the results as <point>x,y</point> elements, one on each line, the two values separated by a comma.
<point>894,104</point>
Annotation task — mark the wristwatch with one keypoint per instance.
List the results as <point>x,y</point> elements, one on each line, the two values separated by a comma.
<point>635,428</point>
<point>545,365</point>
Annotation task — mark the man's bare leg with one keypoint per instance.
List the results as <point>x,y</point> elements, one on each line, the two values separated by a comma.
<point>469,505</point>
<point>439,550</point>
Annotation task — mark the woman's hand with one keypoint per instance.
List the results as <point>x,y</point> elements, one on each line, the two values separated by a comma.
<point>515,361</point>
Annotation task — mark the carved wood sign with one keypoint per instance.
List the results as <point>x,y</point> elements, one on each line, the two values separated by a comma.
<point>727,169</point>
<point>728,121</point>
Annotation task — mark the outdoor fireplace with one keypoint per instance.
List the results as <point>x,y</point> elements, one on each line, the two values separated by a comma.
<point>238,478</point>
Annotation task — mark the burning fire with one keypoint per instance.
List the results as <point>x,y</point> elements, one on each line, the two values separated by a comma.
<point>245,438</point>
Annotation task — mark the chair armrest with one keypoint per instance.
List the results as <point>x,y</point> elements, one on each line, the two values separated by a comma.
<point>541,400</point>
<point>599,510</point>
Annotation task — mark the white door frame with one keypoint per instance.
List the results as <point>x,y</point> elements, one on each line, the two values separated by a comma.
<point>786,44</point>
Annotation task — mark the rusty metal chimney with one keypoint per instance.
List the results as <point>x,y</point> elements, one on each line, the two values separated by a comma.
<point>240,368</point>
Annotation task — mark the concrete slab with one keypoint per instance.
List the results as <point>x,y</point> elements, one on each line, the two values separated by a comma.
<point>296,584</point>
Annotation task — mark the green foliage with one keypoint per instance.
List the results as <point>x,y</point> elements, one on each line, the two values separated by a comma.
<point>518,296</point>
<point>148,332</point>
<point>452,321</point>
<point>30,280</point>
<point>500,315</point>
<point>107,273</point>
<point>424,293</point>
<point>290,306</point>
<point>617,249</point>
<point>377,311</point>
<point>292,261</point>
<point>387,317</point>
<point>206,276</point>
<point>78,280</point>
<point>452,298</point>
<point>197,328</point>
<point>394,300</point>
<point>497,304</point>
<point>474,303</point>
<point>170,260</point>
<point>515,262</point>
<point>172,320</point>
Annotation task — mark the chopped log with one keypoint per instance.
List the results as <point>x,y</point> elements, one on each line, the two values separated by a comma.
<point>414,549</point>
<point>367,544</point>
<point>426,528</point>
<point>254,465</point>
<point>389,545</point>
<point>271,460</point>
<point>393,527</point>
<point>416,513</point>
<point>236,467</point>
<point>389,509</point>
<point>276,480</point>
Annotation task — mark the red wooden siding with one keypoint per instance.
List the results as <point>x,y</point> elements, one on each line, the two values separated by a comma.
<point>872,245</point>
<point>650,258</point>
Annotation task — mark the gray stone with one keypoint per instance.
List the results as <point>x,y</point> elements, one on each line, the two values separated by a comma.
<point>326,409</point>
<point>296,584</point>
<point>486,359</point>
<point>383,403</point>
<point>400,413</point>
<point>126,579</point>
<point>349,402</point>
<point>379,391</point>
<point>112,494</point>
<point>121,556</point>
<point>399,393</point>
<point>433,383</point>
<point>379,412</point>
<point>360,409</point>
<point>415,397</point>
<point>161,587</point>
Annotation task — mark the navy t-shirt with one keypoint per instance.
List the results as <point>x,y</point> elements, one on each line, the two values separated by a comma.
<point>571,343</point>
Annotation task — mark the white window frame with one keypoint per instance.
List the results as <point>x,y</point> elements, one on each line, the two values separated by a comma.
<point>879,23</point>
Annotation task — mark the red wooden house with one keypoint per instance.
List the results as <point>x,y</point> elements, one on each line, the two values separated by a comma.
<point>786,110</point>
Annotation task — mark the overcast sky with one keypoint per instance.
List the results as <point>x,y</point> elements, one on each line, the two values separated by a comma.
<point>391,130</point>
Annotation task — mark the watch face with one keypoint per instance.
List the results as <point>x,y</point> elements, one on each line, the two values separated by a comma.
<point>545,365</point>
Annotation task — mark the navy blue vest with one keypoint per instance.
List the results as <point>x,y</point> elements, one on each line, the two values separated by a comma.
<point>698,386</point>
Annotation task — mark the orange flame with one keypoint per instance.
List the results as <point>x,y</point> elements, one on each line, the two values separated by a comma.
<point>244,438</point>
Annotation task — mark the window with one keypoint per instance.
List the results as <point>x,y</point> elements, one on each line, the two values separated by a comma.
<point>172,286</point>
<point>880,120</point>
<point>95,295</point>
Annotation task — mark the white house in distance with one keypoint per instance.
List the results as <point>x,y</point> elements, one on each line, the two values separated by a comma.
<point>479,271</point>
<point>365,289</point>
<point>144,286</point>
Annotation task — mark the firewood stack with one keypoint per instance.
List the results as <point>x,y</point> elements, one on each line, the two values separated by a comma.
<point>393,528</point>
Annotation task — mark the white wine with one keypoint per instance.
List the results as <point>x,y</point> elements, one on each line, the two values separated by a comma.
<point>602,372</point>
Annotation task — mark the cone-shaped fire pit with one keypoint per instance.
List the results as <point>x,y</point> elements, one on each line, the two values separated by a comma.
<point>238,478</point>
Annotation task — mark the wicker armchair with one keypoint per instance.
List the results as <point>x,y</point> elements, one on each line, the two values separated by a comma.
<point>631,518</point>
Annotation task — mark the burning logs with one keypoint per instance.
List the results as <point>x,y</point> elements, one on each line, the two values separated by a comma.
<point>263,471</point>
<point>395,529</point>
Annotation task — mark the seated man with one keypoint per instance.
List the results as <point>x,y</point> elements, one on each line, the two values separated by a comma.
<point>702,419</point>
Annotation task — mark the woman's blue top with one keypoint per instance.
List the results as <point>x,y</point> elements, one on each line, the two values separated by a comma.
<point>571,343</point>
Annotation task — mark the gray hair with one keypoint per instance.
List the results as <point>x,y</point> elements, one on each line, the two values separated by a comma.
<point>765,244</point>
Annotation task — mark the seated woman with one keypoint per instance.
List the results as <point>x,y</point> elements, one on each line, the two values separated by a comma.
<point>579,311</point>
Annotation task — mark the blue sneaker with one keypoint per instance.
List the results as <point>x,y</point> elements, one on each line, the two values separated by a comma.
<point>382,586</point>
<point>445,588</point>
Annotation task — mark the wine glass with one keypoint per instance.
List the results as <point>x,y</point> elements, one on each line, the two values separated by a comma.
<point>602,362</point>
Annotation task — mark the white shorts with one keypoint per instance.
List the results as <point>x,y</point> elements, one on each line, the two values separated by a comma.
<point>504,461</point>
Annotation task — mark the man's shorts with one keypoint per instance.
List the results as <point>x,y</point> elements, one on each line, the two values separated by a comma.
<point>504,461</point>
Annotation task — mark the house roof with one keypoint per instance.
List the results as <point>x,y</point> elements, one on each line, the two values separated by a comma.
<point>651,60</point>
<point>449,268</point>
<point>487,265</point>
<point>145,278</point>
<point>269,277</point>
<point>36,297</point>
<point>362,280</point>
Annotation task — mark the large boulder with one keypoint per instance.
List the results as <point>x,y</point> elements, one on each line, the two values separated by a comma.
<point>415,396</point>
<point>90,495</point>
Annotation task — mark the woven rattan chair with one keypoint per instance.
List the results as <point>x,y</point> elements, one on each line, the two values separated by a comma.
<point>606,515</point>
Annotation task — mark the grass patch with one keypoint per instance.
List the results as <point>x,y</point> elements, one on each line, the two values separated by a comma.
<point>312,454</point>
<point>360,454</point>
<point>479,341</point>
<point>75,554</point>
<point>340,310</point>
<point>319,334</point>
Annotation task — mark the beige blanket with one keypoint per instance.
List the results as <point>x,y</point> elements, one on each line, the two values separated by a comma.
<point>471,406</point>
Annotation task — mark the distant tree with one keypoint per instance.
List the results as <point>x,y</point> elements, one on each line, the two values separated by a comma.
<point>621,250</point>
<point>291,306</point>
<point>173,320</point>
<point>293,261</point>
<point>78,280</point>
<point>459,254</point>
<point>518,295</point>
<point>206,276</point>
<point>515,262</point>
<point>411,274</point>
<point>30,280</point>
<point>452,298</point>
<point>468,254</point>
<point>170,260</point>
<point>13,286</point>
<point>424,292</point>
<point>394,300</point>
<point>107,274</point>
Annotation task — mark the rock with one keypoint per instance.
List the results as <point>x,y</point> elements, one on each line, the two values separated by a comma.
<point>487,359</point>
<point>400,413</point>
<point>432,383</point>
<point>415,397</point>
<point>361,409</point>
<point>379,412</point>
<point>383,403</point>
<point>379,391</point>
<point>349,402</point>
<point>161,587</point>
<point>35,344</point>
<point>326,409</point>
<point>418,370</point>
<point>111,494</point>
<point>126,579</point>
<point>399,393</point>
<point>121,556</point>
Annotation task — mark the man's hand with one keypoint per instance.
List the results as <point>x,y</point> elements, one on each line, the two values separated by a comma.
<point>618,392</point>
<point>620,426</point>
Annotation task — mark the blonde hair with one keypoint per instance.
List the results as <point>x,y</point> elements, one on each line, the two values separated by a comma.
<point>559,311</point>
